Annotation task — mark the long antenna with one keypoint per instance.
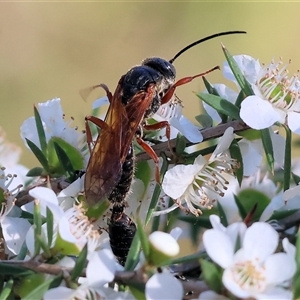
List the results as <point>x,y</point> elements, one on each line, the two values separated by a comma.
<point>203,40</point>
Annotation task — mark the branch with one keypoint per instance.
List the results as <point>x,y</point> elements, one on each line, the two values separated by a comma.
<point>207,133</point>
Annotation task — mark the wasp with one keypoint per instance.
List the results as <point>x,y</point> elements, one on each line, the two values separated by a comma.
<point>138,95</point>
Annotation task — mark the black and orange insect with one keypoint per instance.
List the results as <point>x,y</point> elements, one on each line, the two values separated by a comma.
<point>138,95</point>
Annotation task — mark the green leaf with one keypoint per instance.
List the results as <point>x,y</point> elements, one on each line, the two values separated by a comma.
<point>235,153</point>
<point>212,90</point>
<point>143,239</point>
<point>41,289</point>
<point>241,208</point>
<point>248,198</point>
<point>180,144</point>
<point>74,156</point>
<point>240,78</point>
<point>35,172</point>
<point>221,105</point>
<point>186,259</point>
<point>143,172</point>
<point>268,147</point>
<point>64,160</point>
<point>7,289</point>
<point>287,159</point>
<point>16,271</point>
<point>296,283</point>
<point>50,222</point>
<point>222,215</point>
<point>204,120</point>
<point>281,214</point>
<point>80,263</point>
<point>157,190</point>
<point>241,96</point>
<point>296,178</point>
<point>133,254</point>
<point>38,154</point>
<point>212,275</point>
<point>37,219</point>
<point>40,131</point>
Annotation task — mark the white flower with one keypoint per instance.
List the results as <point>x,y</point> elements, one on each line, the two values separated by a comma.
<point>72,225</point>
<point>163,286</point>
<point>9,158</point>
<point>251,150</point>
<point>164,243</point>
<point>254,270</point>
<point>276,97</point>
<point>172,112</point>
<point>189,183</point>
<point>14,228</point>
<point>55,125</point>
<point>100,270</point>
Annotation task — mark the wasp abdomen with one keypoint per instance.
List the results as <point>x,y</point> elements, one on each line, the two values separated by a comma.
<point>121,233</point>
<point>120,191</point>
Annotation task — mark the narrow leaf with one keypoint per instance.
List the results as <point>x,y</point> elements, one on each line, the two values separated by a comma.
<point>287,159</point>
<point>7,289</point>
<point>212,275</point>
<point>50,222</point>
<point>133,254</point>
<point>180,144</point>
<point>240,78</point>
<point>64,160</point>
<point>80,263</point>
<point>16,271</point>
<point>235,153</point>
<point>143,239</point>
<point>221,105</point>
<point>35,172</point>
<point>41,289</point>
<point>241,96</point>
<point>268,147</point>
<point>204,120</point>
<point>40,131</point>
<point>212,90</point>
<point>38,154</point>
<point>242,211</point>
<point>222,215</point>
<point>157,190</point>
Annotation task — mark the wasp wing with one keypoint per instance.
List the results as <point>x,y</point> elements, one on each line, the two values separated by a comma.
<point>105,167</point>
<point>135,111</point>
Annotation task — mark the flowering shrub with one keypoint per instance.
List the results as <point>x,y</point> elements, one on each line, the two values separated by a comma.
<point>235,198</point>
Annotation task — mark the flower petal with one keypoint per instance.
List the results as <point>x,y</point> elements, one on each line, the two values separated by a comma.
<point>163,286</point>
<point>258,245</point>
<point>258,113</point>
<point>101,268</point>
<point>219,247</point>
<point>293,121</point>
<point>275,273</point>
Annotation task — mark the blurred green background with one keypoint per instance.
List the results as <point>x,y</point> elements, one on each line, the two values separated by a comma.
<point>55,49</point>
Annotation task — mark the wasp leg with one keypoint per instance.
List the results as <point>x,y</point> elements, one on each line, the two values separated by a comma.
<point>98,122</point>
<point>147,148</point>
<point>167,97</point>
<point>161,125</point>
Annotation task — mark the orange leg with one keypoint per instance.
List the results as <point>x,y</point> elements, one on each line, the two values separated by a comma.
<point>161,125</point>
<point>98,122</point>
<point>167,97</point>
<point>147,148</point>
